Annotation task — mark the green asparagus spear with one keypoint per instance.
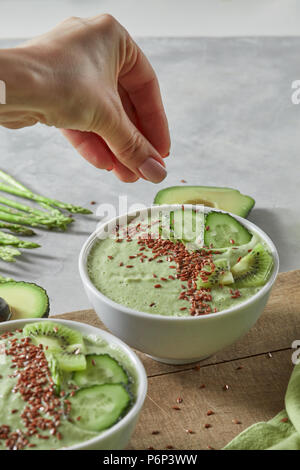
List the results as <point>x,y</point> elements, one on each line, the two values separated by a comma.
<point>33,221</point>
<point>17,229</point>
<point>7,239</point>
<point>15,187</point>
<point>8,253</point>
<point>21,209</point>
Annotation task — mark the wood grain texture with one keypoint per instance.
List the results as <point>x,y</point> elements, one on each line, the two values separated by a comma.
<point>256,390</point>
<point>256,393</point>
<point>276,329</point>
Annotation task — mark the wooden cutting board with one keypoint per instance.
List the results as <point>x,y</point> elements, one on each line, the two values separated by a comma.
<point>242,385</point>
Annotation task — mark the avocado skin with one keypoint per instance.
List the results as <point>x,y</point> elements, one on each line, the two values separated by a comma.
<point>227,199</point>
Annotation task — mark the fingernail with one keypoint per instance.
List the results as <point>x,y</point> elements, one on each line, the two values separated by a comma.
<point>152,170</point>
<point>166,155</point>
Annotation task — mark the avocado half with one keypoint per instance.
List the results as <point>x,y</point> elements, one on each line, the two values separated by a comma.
<point>25,299</point>
<point>226,199</point>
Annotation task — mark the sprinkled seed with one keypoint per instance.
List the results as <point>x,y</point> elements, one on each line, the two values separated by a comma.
<point>207,425</point>
<point>189,431</point>
<point>157,286</point>
<point>155,433</point>
<point>177,408</point>
<point>129,266</point>
<point>236,421</point>
<point>225,387</point>
<point>284,420</point>
<point>179,400</point>
<point>210,412</point>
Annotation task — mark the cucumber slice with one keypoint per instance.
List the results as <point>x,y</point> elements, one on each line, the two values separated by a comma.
<point>26,300</point>
<point>100,369</point>
<point>222,230</point>
<point>98,407</point>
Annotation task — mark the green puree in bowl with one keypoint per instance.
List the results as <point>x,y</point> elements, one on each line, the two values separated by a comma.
<point>116,270</point>
<point>69,431</point>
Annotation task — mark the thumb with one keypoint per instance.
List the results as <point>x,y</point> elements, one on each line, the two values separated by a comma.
<point>133,150</point>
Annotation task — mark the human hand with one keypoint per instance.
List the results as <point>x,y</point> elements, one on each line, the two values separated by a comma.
<point>89,78</point>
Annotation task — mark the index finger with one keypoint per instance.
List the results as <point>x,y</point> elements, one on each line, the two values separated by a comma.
<point>138,78</point>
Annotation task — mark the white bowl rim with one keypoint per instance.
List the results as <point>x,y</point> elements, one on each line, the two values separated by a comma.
<point>138,366</point>
<point>249,225</point>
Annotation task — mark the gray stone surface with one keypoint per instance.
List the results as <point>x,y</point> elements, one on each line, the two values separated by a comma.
<point>232,123</point>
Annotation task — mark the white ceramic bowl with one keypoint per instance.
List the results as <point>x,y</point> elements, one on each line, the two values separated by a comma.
<point>118,436</point>
<point>178,340</point>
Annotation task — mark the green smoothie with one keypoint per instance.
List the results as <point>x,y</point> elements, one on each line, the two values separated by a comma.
<point>180,276</point>
<point>45,406</point>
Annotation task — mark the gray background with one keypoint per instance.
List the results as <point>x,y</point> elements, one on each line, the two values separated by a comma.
<point>232,124</point>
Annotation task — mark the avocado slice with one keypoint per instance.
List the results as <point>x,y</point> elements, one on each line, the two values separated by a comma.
<point>226,199</point>
<point>25,299</point>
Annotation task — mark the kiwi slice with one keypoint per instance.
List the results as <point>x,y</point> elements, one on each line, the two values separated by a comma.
<point>220,276</point>
<point>254,269</point>
<point>70,362</point>
<point>67,345</point>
